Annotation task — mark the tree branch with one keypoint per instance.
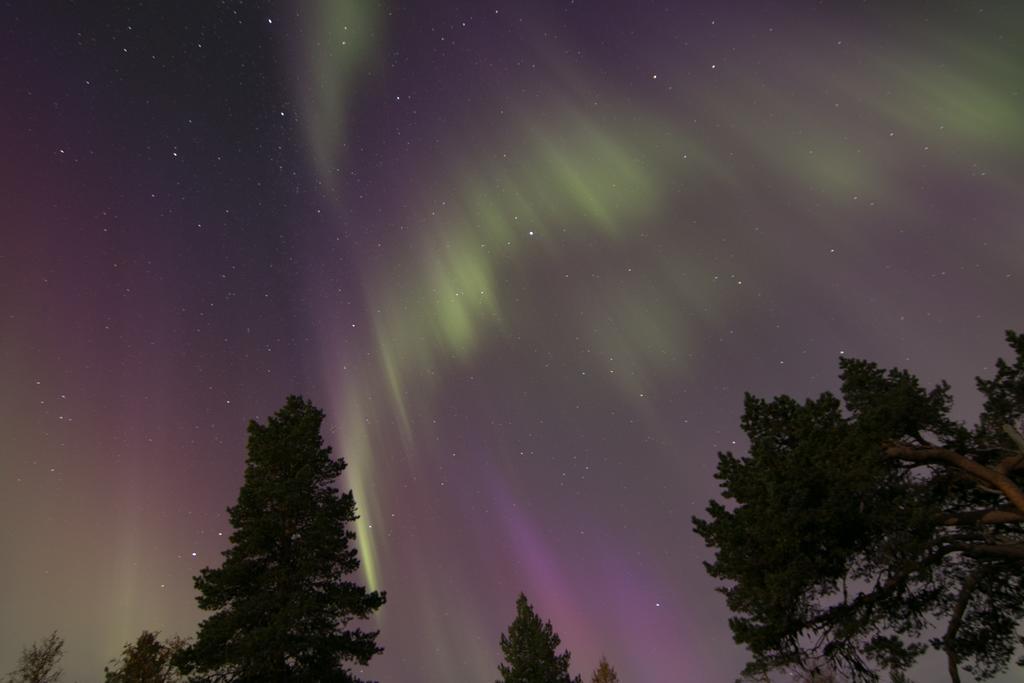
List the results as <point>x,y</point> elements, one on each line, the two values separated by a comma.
<point>1015,436</point>
<point>949,639</point>
<point>1013,551</point>
<point>944,456</point>
<point>1010,464</point>
<point>973,517</point>
<point>883,590</point>
<point>1015,461</point>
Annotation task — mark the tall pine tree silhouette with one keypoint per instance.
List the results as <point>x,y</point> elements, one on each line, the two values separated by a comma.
<point>281,600</point>
<point>530,650</point>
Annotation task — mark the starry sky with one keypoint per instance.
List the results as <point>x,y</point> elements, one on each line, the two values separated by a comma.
<point>526,255</point>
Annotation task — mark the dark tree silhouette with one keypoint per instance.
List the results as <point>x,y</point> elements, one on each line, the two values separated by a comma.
<point>855,527</point>
<point>147,660</point>
<point>281,600</point>
<point>40,662</point>
<point>604,673</point>
<point>530,650</point>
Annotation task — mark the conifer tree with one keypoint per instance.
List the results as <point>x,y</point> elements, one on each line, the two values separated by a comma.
<point>859,524</point>
<point>604,673</point>
<point>530,650</point>
<point>281,600</point>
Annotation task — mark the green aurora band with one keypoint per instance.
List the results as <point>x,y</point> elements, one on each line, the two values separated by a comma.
<point>573,190</point>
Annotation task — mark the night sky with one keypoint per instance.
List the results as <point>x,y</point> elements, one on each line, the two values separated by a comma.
<point>526,255</point>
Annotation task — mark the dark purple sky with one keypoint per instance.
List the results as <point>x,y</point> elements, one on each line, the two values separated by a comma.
<point>527,255</point>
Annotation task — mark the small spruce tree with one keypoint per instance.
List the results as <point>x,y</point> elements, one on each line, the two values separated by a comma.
<point>530,650</point>
<point>604,673</point>
<point>281,600</point>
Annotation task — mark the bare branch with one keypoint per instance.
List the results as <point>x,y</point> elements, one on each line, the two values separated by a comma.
<point>945,456</point>
<point>1004,551</point>
<point>973,517</point>
<point>883,589</point>
<point>1010,464</point>
<point>1015,461</point>
<point>1012,432</point>
<point>949,639</point>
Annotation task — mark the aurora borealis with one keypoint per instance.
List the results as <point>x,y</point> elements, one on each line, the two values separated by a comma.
<point>526,255</point>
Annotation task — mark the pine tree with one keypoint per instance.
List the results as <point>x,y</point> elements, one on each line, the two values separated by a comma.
<point>281,599</point>
<point>530,650</point>
<point>604,673</point>
<point>858,523</point>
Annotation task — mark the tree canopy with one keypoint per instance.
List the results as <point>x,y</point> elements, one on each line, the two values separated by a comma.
<point>281,600</point>
<point>861,529</point>
<point>40,662</point>
<point>147,660</point>
<point>530,650</point>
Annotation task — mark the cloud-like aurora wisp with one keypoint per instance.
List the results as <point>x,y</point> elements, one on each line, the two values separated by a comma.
<point>343,44</point>
<point>566,191</point>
